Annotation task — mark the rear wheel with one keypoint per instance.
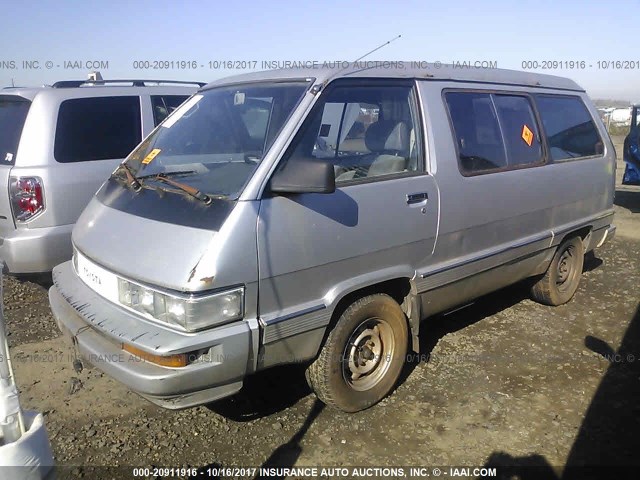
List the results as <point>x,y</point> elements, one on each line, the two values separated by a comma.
<point>561,280</point>
<point>363,355</point>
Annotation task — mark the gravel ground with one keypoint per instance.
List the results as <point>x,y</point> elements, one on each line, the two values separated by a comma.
<point>504,381</point>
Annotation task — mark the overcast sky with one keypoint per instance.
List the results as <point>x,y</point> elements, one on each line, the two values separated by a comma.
<point>118,35</point>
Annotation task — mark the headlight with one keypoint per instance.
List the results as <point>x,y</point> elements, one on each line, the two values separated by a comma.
<point>188,313</point>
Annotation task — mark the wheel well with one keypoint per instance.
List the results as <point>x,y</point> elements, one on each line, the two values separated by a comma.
<point>397,288</point>
<point>583,233</point>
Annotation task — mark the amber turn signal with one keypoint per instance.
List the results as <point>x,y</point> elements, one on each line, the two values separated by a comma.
<point>179,360</point>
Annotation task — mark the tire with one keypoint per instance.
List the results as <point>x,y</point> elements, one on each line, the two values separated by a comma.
<point>363,356</point>
<point>560,282</point>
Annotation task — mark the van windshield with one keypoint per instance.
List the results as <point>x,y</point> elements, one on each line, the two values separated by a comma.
<point>13,112</point>
<point>216,139</point>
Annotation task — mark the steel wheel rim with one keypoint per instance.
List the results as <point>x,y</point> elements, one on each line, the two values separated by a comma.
<point>367,354</point>
<point>566,269</point>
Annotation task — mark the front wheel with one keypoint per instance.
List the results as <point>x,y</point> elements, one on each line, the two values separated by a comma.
<point>561,280</point>
<point>363,356</point>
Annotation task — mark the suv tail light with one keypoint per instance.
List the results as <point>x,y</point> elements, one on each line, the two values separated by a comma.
<point>27,197</point>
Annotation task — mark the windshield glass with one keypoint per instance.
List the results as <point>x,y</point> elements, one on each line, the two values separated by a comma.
<point>217,138</point>
<point>13,112</point>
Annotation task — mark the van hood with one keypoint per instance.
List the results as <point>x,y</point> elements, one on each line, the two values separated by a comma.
<point>168,241</point>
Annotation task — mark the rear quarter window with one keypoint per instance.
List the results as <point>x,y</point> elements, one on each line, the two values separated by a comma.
<point>13,113</point>
<point>493,131</point>
<point>520,130</point>
<point>98,128</point>
<point>569,128</point>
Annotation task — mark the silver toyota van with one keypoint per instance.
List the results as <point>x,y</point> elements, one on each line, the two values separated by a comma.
<point>319,215</point>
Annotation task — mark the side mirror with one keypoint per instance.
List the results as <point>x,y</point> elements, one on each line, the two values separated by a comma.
<point>305,176</point>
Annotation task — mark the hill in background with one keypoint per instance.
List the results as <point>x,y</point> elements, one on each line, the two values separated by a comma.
<point>606,102</point>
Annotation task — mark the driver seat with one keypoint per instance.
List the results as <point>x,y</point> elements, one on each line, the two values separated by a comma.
<point>389,144</point>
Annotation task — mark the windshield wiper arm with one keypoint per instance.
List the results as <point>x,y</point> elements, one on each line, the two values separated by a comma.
<point>134,182</point>
<point>194,192</point>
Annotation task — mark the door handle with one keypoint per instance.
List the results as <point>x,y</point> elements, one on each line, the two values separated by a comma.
<point>417,197</point>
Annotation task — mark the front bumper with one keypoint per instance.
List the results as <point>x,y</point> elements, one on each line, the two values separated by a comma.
<point>100,327</point>
<point>36,250</point>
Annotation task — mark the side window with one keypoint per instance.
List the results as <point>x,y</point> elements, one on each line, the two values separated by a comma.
<point>493,131</point>
<point>163,105</point>
<point>569,127</point>
<point>366,131</point>
<point>476,131</point>
<point>97,128</point>
<point>519,129</point>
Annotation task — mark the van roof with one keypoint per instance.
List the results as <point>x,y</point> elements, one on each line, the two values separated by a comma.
<point>325,71</point>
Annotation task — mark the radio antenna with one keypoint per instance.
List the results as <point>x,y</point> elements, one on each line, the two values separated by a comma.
<point>377,48</point>
<point>317,88</point>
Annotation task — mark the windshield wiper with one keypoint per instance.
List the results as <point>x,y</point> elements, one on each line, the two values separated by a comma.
<point>194,192</point>
<point>168,174</point>
<point>134,182</point>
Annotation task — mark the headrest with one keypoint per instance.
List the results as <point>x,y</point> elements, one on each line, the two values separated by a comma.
<point>385,135</point>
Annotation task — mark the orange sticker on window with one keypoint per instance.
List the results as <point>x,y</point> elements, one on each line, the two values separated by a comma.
<point>152,154</point>
<point>527,135</point>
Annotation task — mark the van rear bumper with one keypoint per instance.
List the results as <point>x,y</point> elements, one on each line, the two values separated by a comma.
<point>608,235</point>
<point>36,250</point>
<point>79,312</point>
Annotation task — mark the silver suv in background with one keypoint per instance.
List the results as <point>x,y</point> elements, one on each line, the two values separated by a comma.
<point>57,145</point>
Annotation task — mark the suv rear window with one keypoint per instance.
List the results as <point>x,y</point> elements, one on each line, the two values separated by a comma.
<point>13,112</point>
<point>164,105</point>
<point>569,127</point>
<point>98,128</point>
